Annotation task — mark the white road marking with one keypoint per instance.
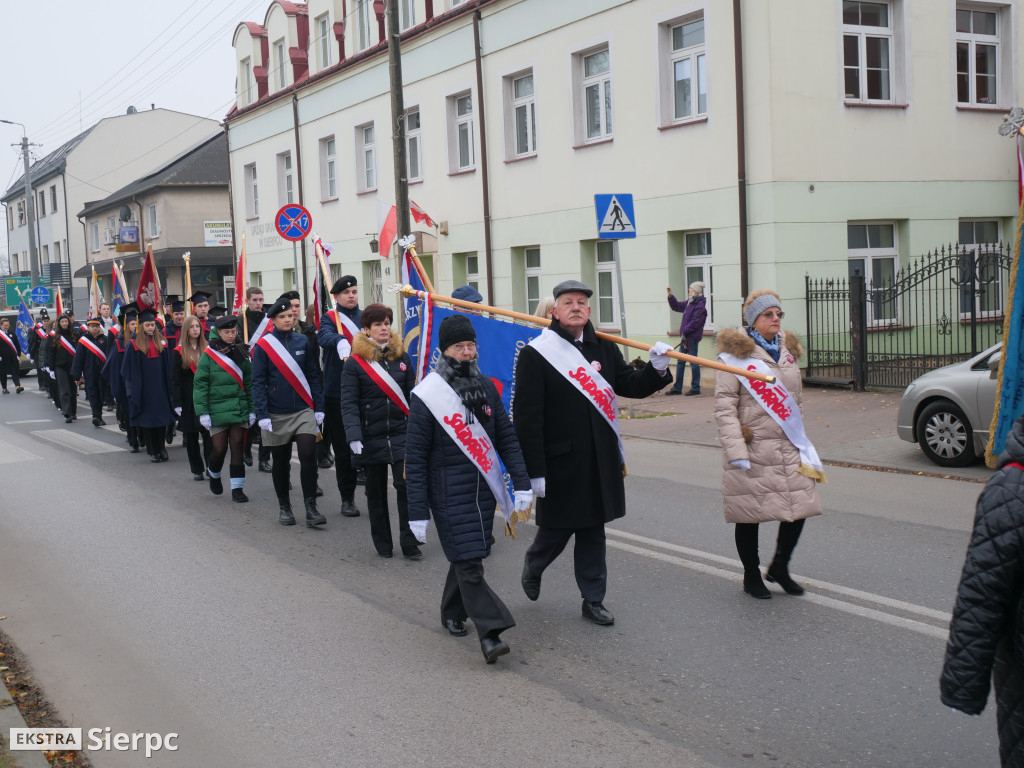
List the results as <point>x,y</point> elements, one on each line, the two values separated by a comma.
<point>9,454</point>
<point>76,442</point>
<point>30,421</point>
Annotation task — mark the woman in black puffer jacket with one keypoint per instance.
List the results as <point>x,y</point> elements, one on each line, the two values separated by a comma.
<point>375,385</point>
<point>986,636</point>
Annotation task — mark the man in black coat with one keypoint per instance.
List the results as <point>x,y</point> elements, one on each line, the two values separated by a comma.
<point>986,635</point>
<point>570,440</point>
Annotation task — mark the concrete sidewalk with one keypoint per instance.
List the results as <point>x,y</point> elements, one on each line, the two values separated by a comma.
<point>856,428</point>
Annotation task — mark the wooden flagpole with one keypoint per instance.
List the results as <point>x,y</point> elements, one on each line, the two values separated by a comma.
<point>408,291</point>
<point>187,258</point>
<point>419,266</point>
<point>319,252</point>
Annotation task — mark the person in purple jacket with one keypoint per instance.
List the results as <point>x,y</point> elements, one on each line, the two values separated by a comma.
<point>695,313</point>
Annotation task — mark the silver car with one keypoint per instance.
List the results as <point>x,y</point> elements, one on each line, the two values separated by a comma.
<point>948,411</point>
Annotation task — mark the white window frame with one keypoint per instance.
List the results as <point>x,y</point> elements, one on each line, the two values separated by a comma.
<point>862,33</point>
<point>53,198</point>
<point>322,28</point>
<point>414,144</point>
<point>328,168</point>
<point>473,269</point>
<point>94,236</point>
<point>532,278</point>
<point>280,64</point>
<point>520,110</point>
<point>365,22</point>
<point>609,291</point>
<point>42,203</point>
<point>696,55</point>
<point>457,3</point>
<point>697,255</point>
<point>152,223</point>
<point>973,40</point>
<point>461,131</point>
<point>366,157</point>
<point>252,191</point>
<point>869,256</point>
<point>285,179</point>
<point>246,76</point>
<point>407,13</point>
<point>981,250</point>
<point>581,85</point>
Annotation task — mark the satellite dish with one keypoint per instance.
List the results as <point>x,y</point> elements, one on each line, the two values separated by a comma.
<point>126,213</point>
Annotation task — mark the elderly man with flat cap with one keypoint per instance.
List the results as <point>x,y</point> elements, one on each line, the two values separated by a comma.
<point>337,330</point>
<point>566,419</point>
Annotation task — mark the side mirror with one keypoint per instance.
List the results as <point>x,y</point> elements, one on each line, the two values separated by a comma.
<point>993,364</point>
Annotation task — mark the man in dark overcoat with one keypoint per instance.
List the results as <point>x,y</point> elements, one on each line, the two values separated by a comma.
<point>570,440</point>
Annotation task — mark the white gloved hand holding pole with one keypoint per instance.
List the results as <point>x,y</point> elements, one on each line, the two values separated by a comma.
<point>659,356</point>
<point>523,500</point>
<point>344,349</point>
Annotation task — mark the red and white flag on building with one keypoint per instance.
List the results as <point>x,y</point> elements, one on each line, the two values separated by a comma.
<point>387,221</point>
<point>419,215</point>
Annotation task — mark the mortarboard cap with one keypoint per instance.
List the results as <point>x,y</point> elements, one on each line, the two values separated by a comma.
<point>199,297</point>
<point>218,311</point>
<point>147,316</point>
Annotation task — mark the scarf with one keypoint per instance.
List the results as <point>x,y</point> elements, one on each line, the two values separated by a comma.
<point>467,381</point>
<point>771,347</point>
<point>237,351</point>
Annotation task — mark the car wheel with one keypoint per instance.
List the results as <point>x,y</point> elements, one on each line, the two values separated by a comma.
<point>945,435</point>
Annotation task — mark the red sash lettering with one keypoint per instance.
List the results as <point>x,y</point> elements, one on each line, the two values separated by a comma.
<point>379,375</point>
<point>91,346</point>
<point>286,364</point>
<point>229,365</point>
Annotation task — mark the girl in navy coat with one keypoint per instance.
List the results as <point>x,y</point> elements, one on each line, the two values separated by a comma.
<point>147,381</point>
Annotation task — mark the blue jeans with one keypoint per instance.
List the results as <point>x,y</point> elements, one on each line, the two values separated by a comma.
<point>689,348</point>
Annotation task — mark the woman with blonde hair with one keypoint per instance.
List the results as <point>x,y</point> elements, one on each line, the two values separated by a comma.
<point>184,362</point>
<point>147,382</point>
<point>770,468</point>
<point>545,307</point>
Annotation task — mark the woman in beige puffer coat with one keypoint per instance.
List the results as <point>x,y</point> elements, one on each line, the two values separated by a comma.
<point>760,478</point>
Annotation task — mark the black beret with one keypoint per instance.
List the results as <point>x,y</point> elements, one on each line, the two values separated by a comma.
<point>279,306</point>
<point>226,321</point>
<point>289,295</point>
<point>342,283</point>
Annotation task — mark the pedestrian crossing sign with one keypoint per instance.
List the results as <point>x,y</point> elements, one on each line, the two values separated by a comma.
<point>615,216</point>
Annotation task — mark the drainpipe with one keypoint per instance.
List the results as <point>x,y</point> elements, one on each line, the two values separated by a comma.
<point>741,152</point>
<point>298,181</point>
<point>483,157</point>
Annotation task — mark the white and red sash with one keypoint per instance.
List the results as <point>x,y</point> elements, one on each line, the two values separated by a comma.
<point>91,346</point>
<point>348,328</point>
<point>67,345</point>
<point>446,406</point>
<point>261,330</point>
<point>287,365</point>
<point>570,363</point>
<point>10,343</point>
<point>42,334</point>
<point>229,365</point>
<point>379,375</point>
<point>780,405</point>
<point>193,365</point>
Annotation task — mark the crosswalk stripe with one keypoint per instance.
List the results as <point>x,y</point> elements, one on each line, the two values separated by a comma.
<point>75,441</point>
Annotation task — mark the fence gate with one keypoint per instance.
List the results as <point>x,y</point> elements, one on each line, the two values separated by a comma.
<point>943,308</point>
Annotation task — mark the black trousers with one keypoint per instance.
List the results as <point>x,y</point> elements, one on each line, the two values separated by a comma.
<point>94,395</point>
<point>377,503</point>
<point>67,389</point>
<point>589,560</point>
<point>467,596</point>
<point>13,374</point>
<point>343,468</point>
<point>197,461</point>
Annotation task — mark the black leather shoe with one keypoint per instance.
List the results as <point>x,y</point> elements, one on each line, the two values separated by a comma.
<point>754,587</point>
<point>285,515</point>
<point>163,454</point>
<point>531,583</point>
<point>455,627</point>
<point>19,390</point>
<point>693,392</point>
<point>673,392</point>
<point>198,477</point>
<point>385,553</point>
<point>349,508</point>
<point>216,486</point>
<point>324,463</point>
<point>313,517</point>
<point>133,447</point>
<point>411,553</point>
<point>155,458</point>
<point>247,460</point>
<point>68,419</point>
<point>598,614</point>
<point>779,573</point>
<point>493,647</point>
<point>265,466</point>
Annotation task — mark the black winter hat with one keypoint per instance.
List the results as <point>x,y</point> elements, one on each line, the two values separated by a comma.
<point>455,328</point>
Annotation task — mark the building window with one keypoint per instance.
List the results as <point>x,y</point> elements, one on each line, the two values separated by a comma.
<point>323,41</point>
<point>46,255</point>
<point>532,258</point>
<point>872,252</point>
<point>285,183</point>
<point>152,226</point>
<point>473,270</point>
<point>523,108</point>
<point>413,143</point>
<point>461,144</point>
<point>10,218</point>
<point>980,249</point>
<point>698,268</point>
<point>42,203</point>
<point>408,12</point>
<point>246,76</point>
<point>977,56</point>
<point>94,236</point>
<point>687,68</point>
<point>280,64</point>
<point>607,289</point>
<point>252,196</point>
<point>365,22</point>
<point>593,95</point>
<point>328,169</point>
<point>288,276</point>
<point>21,213</point>
<point>53,199</point>
<point>867,51</point>
<point>367,158</point>
<point>56,252</point>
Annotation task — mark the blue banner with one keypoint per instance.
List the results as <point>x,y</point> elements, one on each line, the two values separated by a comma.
<point>23,326</point>
<point>118,293</point>
<point>1010,400</point>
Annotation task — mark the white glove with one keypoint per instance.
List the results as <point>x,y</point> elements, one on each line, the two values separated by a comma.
<point>523,500</point>
<point>266,425</point>
<point>252,419</point>
<point>356,446</point>
<point>537,484</point>
<point>419,530</point>
<point>319,416</point>
<point>743,464</point>
<point>344,349</point>
<point>177,411</point>
<point>659,358</point>
<point>53,375</point>
<point>206,421</point>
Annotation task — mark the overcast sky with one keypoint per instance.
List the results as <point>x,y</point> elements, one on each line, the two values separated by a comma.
<point>70,63</point>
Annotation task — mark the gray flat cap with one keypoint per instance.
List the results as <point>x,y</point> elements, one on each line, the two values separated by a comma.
<point>571,286</point>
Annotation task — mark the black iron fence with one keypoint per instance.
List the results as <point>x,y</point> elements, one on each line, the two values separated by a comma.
<point>945,307</point>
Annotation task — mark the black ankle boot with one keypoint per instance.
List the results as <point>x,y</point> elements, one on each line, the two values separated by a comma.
<point>286,517</point>
<point>778,572</point>
<point>216,485</point>
<point>312,516</point>
<point>238,495</point>
<point>754,586</point>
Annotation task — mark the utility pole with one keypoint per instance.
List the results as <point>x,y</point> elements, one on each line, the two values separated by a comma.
<point>398,138</point>
<point>29,206</point>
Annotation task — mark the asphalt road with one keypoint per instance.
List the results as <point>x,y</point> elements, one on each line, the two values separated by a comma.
<point>148,605</point>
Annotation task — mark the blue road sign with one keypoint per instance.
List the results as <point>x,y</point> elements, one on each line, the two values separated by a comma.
<point>40,294</point>
<point>615,219</point>
<point>293,222</point>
